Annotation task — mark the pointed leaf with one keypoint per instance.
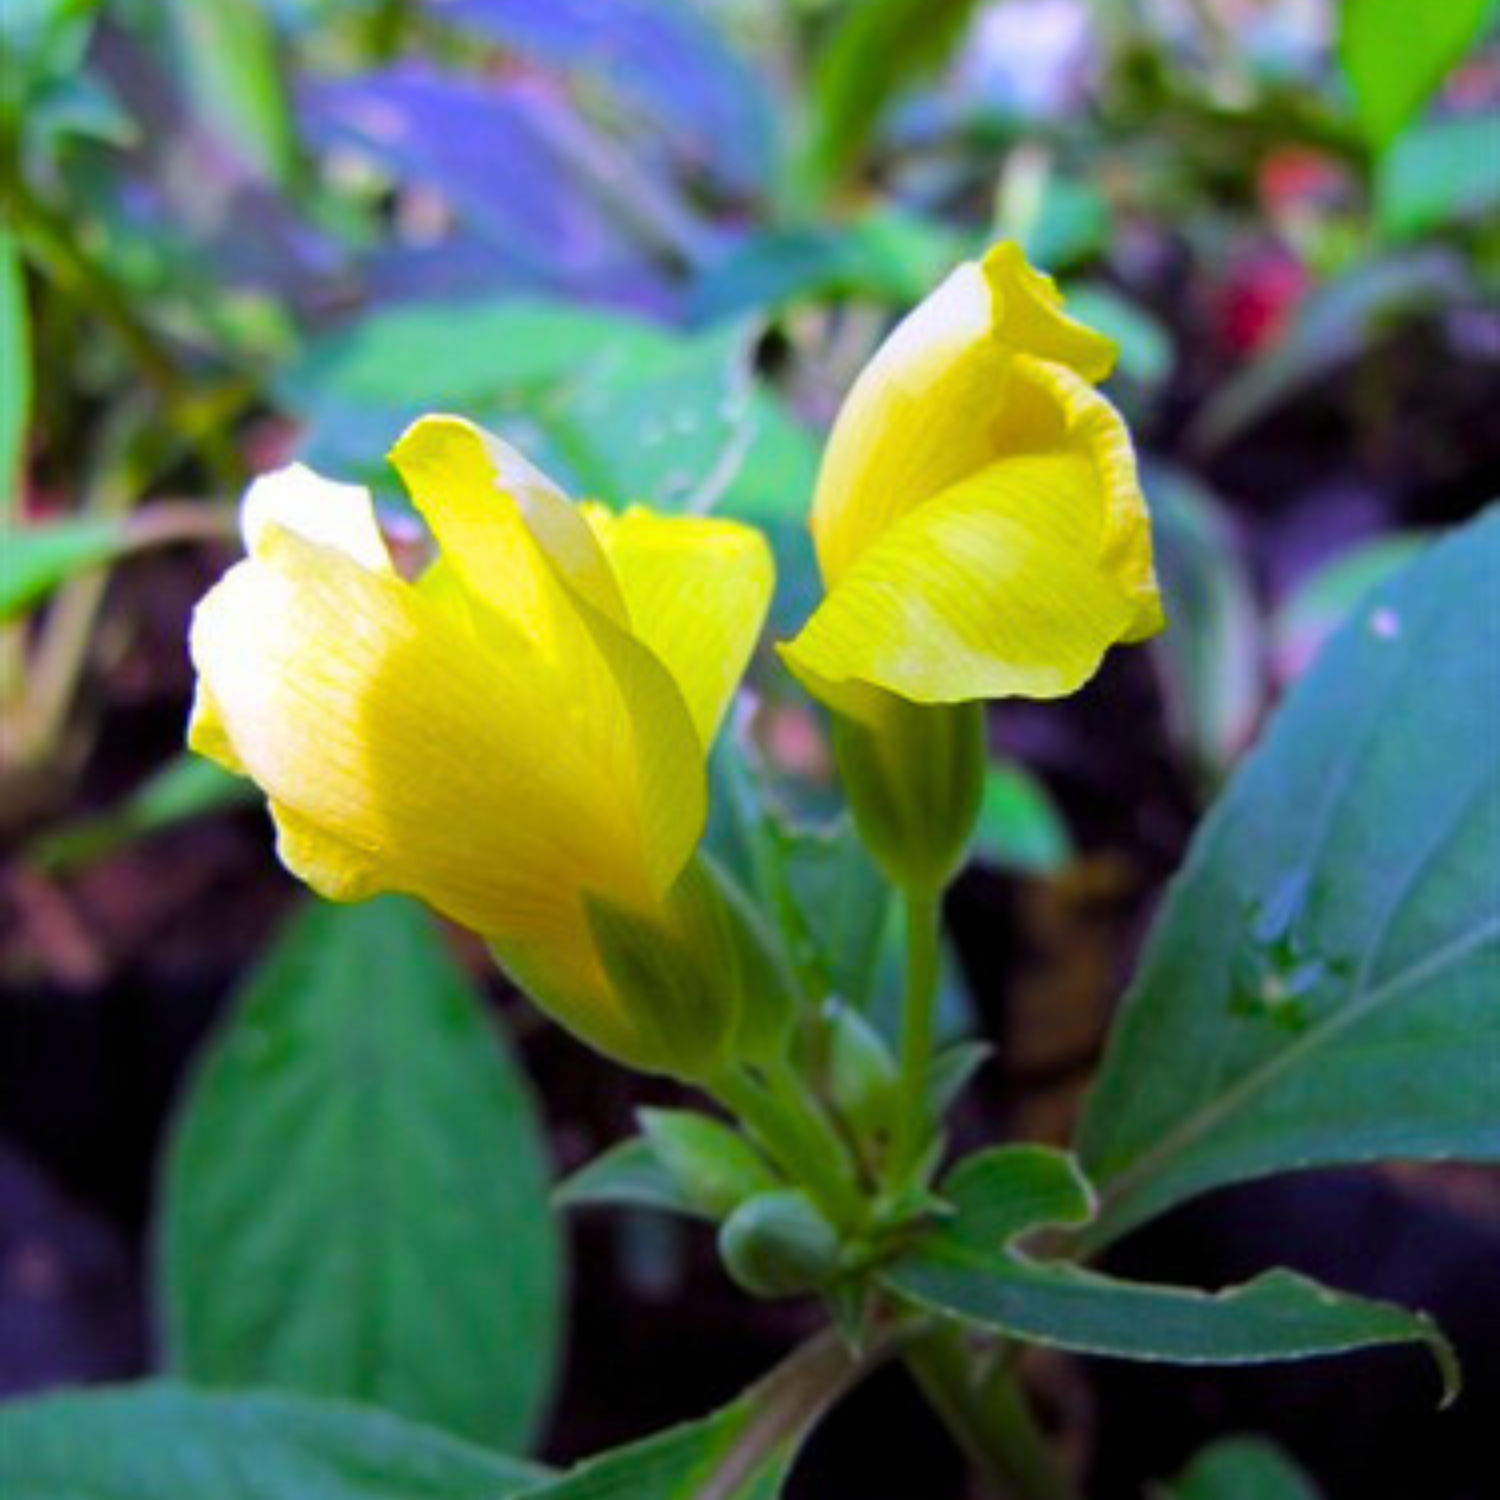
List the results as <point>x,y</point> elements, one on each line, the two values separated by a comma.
<point>1320,986</point>
<point>1395,55</point>
<point>626,1176</point>
<point>967,1269</point>
<point>356,1193</point>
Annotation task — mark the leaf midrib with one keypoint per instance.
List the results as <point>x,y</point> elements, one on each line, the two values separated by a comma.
<point>1232,1100</point>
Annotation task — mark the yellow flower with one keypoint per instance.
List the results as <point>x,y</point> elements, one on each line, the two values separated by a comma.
<point>518,738</point>
<point>978,522</point>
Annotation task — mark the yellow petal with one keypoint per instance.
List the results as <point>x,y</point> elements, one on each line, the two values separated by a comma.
<point>922,414</point>
<point>997,588</point>
<point>507,530</point>
<point>401,755</point>
<point>697,591</point>
<point>334,515</point>
<point>527,561</point>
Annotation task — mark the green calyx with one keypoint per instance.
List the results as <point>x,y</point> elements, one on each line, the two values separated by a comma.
<point>914,777</point>
<point>703,981</point>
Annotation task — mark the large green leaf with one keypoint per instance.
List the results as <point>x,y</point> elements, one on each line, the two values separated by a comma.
<point>356,1200</point>
<point>162,1442</point>
<point>1396,54</point>
<point>615,407</point>
<point>1239,1468</point>
<point>1321,986</point>
<point>968,1270</point>
<point>15,368</point>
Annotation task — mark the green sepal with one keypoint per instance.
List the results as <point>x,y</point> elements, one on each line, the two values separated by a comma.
<point>678,976</point>
<point>914,777</point>
<point>778,1244</point>
<point>713,1167</point>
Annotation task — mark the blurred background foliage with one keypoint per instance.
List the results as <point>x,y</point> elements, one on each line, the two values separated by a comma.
<point>652,241</point>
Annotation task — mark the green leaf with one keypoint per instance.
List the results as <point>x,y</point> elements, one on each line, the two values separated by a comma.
<point>228,56</point>
<point>38,559</point>
<point>966,1270</point>
<point>743,1452</point>
<point>15,373</point>
<point>874,50</point>
<point>1438,173</point>
<point>1319,987</point>
<point>1328,596</point>
<point>356,1196</point>
<point>715,1167</point>
<point>162,1442</point>
<point>1211,658</point>
<point>1020,827</point>
<point>628,1175</point>
<point>437,355</point>
<point>185,788</point>
<point>616,408</point>
<point>892,256</point>
<point>669,426</point>
<point>1240,1468</point>
<point>1395,55</point>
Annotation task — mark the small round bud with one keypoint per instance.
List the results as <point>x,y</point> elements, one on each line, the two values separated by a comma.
<point>778,1244</point>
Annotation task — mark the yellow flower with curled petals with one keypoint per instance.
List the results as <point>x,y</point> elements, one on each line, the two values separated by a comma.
<point>518,738</point>
<point>978,521</point>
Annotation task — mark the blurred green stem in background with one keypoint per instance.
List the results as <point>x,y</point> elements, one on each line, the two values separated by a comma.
<point>200,417</point>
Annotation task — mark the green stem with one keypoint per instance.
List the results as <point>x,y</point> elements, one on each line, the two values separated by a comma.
<point>989,1418</point>
<point>799,1141</point>
<point>913,1122</point>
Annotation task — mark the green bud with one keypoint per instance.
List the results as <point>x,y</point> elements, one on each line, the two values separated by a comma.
<point>778,1244</point>
<point>715,1168</point>
<point>914,777</point>
<point>862,1079</point>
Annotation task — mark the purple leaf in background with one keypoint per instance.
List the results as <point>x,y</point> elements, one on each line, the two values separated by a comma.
<point>658,56</point>
<point>503,158</point>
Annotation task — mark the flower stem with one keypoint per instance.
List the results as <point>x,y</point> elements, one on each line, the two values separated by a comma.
<point>798,1140</point>
<point>913,1123</point>
<point>990,1419</point>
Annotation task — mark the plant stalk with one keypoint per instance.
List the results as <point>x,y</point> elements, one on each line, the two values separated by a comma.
<point>990,1419</point>
<point>919,1003</point>
<point>799,1141</point>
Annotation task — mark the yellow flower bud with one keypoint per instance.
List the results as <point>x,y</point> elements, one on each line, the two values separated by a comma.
<point>518,738</point>
<point>979,526</point>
